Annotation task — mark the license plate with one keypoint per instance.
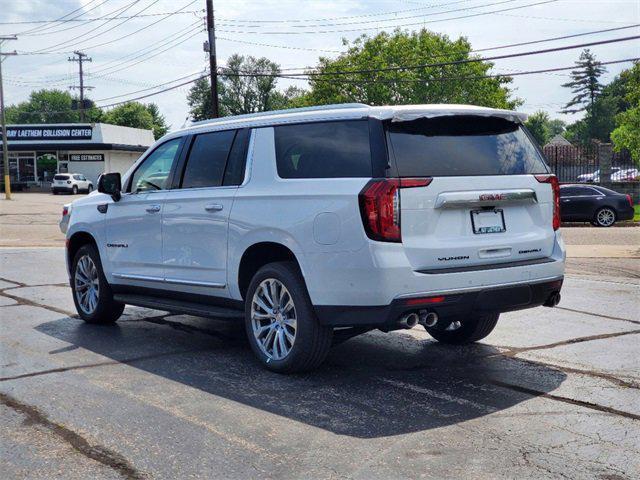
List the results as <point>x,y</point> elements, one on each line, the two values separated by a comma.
<point>488,221</point>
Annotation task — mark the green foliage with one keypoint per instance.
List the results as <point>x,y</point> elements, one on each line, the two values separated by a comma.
<point>49,106</point>
<point>538,125</point>
<point>461,83</point>
<point>199,100</point>
<point>627,133</point>
<point>585,83</point>
<point>600,119</point>
<point>137,115</point>
<point>542,128</point>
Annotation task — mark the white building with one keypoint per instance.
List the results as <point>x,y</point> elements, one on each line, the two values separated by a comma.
<point>37,152</point>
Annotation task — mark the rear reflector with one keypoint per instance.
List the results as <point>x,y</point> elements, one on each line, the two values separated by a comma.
<point>630,200</point>
<point>380,206</point>
<point>424,300</point>
<point>555,188</point>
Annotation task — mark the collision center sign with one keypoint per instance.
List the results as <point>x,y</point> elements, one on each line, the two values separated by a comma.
<point>56,132</point>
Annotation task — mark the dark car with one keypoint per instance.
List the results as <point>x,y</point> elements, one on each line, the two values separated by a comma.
<point>593,203</point>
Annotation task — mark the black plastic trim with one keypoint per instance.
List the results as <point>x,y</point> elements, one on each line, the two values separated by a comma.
<point>455,306</point>
<point>160,294</point>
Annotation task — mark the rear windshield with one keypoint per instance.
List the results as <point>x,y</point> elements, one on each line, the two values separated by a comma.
<point>61,177</point>
<point>463,145</point>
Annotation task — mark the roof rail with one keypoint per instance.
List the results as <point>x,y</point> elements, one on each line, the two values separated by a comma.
<point>337,106</point>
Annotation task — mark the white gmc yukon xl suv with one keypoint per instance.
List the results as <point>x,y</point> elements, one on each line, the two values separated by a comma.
<point>314,225</point>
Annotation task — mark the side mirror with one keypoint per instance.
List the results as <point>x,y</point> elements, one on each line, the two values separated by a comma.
<point>111,184</point>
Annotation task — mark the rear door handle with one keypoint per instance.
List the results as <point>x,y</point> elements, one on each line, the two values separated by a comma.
<point>153,208</point>
<point>213,207</point>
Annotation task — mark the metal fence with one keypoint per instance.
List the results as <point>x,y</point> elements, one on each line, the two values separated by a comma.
<point>573,164</point>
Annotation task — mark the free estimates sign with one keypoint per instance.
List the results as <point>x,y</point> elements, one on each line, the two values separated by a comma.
<point>86,157</point>
<point>54,132</point>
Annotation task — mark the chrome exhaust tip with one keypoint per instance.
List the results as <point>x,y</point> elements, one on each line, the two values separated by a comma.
<point>409,320</point>
<point>428,319</point>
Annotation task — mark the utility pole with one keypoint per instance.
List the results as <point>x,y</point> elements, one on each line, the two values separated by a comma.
<point>211,30</point>
<point>3,120</point>
<point>82,57</point>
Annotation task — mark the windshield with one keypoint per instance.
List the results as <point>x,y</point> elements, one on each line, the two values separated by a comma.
<point>463,145</point>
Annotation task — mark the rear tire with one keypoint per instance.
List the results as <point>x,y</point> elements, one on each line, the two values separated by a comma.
<point>281,323</point>
<point>471,330</point>
<point>74,190</point>
<point>605,217</point>
<point>92,294</point>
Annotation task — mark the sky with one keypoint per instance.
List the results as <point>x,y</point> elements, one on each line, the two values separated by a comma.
<point>130,54</point>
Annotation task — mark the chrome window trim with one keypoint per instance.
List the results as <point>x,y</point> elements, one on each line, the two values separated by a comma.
<point>175,281</point>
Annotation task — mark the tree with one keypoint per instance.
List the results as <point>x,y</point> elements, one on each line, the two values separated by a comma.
<point>49,106</point>
<point>600,120</point>
<point>199,100</point>
<point>160,127</point>
<point>137,115</point>
<point>538,125</point>
<point>627,133</point>
<point>249,85</point>
<point>584,84</point>
<point>556,127</point>
<point>457,83</point>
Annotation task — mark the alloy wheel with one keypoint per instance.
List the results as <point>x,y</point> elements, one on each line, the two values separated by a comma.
<point>87,284</point>
<point>273,319</point>
<point>606,217</point>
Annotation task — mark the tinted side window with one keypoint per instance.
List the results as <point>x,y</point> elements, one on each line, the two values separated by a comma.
<point>207,159</point>
<point>153,172</point>
<point>568,192</point>
<point>234,174</point>
<point>323,150</point>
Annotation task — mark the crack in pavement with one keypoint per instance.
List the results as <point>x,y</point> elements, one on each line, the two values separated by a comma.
<point>571,401</point>
<point>512,351</point>
<point>126,361</point>
<point>600,315</point>
<point>100,454</point>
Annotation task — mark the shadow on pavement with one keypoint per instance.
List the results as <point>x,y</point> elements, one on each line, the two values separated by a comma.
<point>371,386</point>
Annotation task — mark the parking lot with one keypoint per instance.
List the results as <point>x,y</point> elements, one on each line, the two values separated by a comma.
<point>550,393</point>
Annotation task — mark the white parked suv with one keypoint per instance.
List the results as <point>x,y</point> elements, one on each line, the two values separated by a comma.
<point>71,183</point>
<point>314,225</point>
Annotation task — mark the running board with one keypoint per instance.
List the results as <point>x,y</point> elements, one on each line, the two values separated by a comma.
<point>179,306</point>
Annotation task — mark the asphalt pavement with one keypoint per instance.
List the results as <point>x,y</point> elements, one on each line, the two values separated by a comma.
<point>551,393</point>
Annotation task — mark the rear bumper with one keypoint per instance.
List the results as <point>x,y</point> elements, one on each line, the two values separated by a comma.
<point>61,189</point>
<point>625,214</point>
<point>453,304</point>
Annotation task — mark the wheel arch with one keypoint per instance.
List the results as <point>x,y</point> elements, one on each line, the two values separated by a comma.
<point>75,242</point>
<point>258,255</point>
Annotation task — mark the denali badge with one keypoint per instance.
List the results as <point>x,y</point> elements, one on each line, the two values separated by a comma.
<point>117,245</point>
<point>533,250</point>
<point>461,257</point>
<point>492,196</point>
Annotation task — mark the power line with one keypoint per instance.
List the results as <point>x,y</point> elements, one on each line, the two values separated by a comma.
<point>285,76</point>
<point>357,22</point>
<point>467,60</point>
<point>95,19</point>
<point>61,19</point>
<point>381,27</point>
<point>119,38</point>
<point>73,40</point>
<point>201,73</point>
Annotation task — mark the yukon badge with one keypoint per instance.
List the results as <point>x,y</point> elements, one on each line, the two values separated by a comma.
<point>491,196</point>
<point>447,259</point>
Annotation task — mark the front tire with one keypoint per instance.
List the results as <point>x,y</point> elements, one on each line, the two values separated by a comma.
<point>466,331</point>
<point>281,324</point>
<point>605,217</point>
<point>90,189</point>
<point>74,190</point>
<point>92,294</point>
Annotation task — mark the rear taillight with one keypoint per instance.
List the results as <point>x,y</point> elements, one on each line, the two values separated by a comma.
<point>630,200</point>
<point>555,188</point>
<point>65,211</point>
<point>380,206</point>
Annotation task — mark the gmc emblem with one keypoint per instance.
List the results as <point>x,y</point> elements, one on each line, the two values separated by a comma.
<point>492,196</point>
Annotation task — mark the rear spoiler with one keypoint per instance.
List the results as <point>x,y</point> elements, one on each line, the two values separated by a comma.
<point>414,112</point>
